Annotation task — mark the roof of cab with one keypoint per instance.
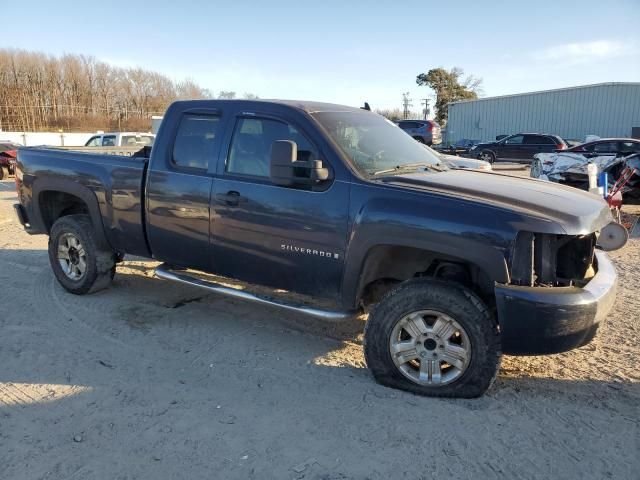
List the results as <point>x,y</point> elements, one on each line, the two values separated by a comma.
<point>307,106</point>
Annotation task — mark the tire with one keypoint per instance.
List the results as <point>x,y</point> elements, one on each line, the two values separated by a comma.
<point>4,173</point>
<point>94,266</point>
<point>419,139</point>
<point>424,300</point>
<point>536,168</point>
<point>488,156</point>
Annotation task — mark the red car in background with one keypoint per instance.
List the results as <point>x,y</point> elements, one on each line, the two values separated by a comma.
<point>8,154</point>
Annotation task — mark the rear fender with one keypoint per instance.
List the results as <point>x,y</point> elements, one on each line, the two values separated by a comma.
<point>70,187</point>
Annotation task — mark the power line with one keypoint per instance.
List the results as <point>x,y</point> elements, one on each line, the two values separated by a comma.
<point>425,110</point>
<point>406,103</point>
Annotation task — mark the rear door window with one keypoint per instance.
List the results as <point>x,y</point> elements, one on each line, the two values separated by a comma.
<point>627,148</point>
<point>195,141</point>
<point>537,140</point>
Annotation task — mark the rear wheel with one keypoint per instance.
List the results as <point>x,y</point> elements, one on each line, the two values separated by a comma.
<point>80,263</point>
<point>488,157</point>
<point>433,338</point>
<point>419,139</point>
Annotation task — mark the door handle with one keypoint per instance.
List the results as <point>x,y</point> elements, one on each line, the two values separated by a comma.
<point>231,198</point>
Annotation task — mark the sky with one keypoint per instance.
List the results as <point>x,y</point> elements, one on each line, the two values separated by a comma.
<point>344,51</point>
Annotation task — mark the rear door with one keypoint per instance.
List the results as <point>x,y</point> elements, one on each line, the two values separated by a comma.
<point>179,190</point>
<point>292,238</point>
<point>533,144</point>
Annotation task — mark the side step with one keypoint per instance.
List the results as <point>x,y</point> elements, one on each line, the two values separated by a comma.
<point>164,272</point>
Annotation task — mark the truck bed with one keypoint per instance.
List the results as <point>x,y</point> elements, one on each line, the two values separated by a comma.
<point>113,183</point>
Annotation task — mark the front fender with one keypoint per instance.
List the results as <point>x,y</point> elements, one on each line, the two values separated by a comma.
<point>442,231</point>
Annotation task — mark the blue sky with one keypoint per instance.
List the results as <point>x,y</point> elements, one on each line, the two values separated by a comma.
<point>343,51</point>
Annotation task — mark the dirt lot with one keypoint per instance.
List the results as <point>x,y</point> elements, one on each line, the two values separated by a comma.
<point>149,379</point>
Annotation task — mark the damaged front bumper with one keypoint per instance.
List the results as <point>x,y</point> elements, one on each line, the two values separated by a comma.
<point>542,320</point>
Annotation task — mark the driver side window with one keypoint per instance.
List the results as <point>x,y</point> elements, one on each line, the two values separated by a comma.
<point>250,150</point>
<point>515,140</point>
<point>94,142</point>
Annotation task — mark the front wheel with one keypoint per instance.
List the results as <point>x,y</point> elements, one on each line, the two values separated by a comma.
<point>488,157</point>
<point>433,338</point>
<point>79,262</point>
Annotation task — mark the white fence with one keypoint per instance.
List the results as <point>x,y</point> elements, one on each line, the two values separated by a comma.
<point>30,139</point>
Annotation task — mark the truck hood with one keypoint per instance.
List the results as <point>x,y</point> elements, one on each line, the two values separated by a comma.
<point>574,211</point>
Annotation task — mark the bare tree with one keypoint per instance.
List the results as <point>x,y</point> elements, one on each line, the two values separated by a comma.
<point>44,92</point>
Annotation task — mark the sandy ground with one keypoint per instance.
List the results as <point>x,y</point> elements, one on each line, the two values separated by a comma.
<point>150,379</point>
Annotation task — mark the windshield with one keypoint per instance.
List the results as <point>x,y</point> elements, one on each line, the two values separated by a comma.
<point>373,144</point>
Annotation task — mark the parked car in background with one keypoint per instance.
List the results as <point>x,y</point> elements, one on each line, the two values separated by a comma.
<point>520,147</point>
<point>121,139</point>
<point>461,163</point>
<point>424,131</point>
<point>461,147</point>
<point>8,153</point>
<point>570,166</point>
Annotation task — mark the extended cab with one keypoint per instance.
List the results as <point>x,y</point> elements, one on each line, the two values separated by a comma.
<point>344,211</point>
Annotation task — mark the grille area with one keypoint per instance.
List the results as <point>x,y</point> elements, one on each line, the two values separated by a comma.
<point>540,259</point>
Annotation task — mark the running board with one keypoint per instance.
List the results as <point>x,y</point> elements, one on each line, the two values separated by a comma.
<point>164,272</point>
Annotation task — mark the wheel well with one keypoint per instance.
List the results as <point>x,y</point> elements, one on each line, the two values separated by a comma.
<point>54,205</point>
<point>388,265</point>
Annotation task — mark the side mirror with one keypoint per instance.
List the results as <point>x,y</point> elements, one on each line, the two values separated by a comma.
<point>285,170</point>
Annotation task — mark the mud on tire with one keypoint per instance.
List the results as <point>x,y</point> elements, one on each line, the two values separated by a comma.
<point>455,303</point>
<point>98,260</point>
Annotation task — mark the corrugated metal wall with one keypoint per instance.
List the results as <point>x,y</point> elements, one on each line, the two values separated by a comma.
<point>606,110</point>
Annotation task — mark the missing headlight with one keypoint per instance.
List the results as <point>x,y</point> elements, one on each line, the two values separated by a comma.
<point>540,259</point>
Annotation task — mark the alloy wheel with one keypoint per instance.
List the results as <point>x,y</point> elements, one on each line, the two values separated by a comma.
<point>72,256</point>
<point>430,348</point>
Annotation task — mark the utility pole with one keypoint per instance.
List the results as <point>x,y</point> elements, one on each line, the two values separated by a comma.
<point>425,110</point>
<point>406,103</point>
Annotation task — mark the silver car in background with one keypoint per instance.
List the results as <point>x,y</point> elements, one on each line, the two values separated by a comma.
<point>424,131</point>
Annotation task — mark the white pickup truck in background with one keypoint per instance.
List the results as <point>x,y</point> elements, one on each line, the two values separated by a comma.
<point>121,139</point>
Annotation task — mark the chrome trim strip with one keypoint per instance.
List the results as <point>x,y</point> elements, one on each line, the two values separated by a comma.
<point>166,274</point>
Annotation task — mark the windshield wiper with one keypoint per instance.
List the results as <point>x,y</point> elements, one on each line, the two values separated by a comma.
<point>409,166</point>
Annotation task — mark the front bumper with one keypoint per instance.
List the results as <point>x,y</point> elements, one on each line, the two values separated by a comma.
<point>543,320</point>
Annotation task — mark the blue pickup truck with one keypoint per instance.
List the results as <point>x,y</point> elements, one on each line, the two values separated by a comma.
<point>343,209</point>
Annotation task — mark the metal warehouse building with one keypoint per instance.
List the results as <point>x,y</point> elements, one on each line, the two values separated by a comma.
<point>605,109</point>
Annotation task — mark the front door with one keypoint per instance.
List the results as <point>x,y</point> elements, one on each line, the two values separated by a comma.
<point>291,238</point>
